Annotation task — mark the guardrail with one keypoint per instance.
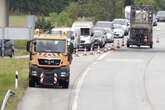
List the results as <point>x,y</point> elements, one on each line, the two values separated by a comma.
<point>7,96</point>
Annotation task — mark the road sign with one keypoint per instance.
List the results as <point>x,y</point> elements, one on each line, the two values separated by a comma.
<point>31,21</point>
<point>16,33</point>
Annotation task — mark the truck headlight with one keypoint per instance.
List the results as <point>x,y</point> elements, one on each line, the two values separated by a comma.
<point>34,73</point>
<point>63,74</point>
<point>87,41</point>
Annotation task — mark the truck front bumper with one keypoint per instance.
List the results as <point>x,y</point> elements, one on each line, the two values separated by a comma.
<point>48,76</point>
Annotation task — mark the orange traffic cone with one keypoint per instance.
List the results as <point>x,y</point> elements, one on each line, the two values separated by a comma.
<point>109,47</point>
<point>123,43</point>
<point>105,49</point>
<point>98,50</point>
<point>76,54</point>
<point>113,48</point>
<point>118,44</point>
<point>157,41</point>
<point>91,51</point>
<point>85,52</point>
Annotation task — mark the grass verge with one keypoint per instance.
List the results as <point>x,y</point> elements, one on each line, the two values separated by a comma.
<point>8,67</point>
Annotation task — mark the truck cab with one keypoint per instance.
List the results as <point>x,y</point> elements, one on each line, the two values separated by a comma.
<point>50,59</point>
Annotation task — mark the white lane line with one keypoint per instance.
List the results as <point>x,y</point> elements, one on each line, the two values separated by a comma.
<point>102,56</point>
<point>77,89</point>
<point>19,57</point>
<point>125,60</point>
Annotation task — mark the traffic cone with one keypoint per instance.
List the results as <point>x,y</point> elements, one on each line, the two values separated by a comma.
<point>105,49</point>
<point>85,52</point>
<point>118,44</point>
<point>76,54</point>
<point>98,50</point>
<point>123,43</point>
<point>91,51</point>
<point>113,48</point>
<point>109,47</point>
<point>157,41</point>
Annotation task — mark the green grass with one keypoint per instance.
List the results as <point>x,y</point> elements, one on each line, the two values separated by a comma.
<point>8,67</point>
<point>20,46</point>
<point>17,21</point>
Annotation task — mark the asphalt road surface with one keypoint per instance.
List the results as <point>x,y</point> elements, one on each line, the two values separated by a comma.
<point>124,79</point>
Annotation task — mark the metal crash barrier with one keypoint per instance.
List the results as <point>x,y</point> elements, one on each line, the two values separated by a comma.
<point>7,96</point>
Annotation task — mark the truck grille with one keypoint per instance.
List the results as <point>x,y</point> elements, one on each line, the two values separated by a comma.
<point>49,61</point>
<point>82,41</point>
<point>48,79</point>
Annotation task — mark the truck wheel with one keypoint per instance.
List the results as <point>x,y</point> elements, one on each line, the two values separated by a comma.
<point>65,83</point>
<point>31,82</point>
<point>128,45</point>
<point>151,45</point>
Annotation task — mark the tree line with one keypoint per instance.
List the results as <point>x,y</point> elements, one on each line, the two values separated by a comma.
<point>65,12</point>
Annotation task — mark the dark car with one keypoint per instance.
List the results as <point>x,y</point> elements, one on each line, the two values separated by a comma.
<point>104,24</point>
<point>160,16</point>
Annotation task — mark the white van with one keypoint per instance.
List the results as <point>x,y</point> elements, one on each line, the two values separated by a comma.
<point>83,28</point>
<point>70,33</point>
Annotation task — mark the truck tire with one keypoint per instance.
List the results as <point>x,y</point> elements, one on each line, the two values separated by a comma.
<point>31,82</point>
<point>128,45</point>
<point>151,45</point>
<point>65,83</point>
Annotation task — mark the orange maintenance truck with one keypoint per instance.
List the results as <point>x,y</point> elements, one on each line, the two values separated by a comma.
<point>50,59</point>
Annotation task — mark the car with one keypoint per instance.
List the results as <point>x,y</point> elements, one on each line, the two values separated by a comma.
<point>123,23</point>
<point>160,16</point>
<point>104,24</point>
<point>99,38</point>
<point>154,20</point>
<point>108,27</point>
<point>109,36</point>
<point>118,31</point>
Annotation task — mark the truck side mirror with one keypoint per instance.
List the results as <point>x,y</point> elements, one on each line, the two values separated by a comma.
<point>28,46</point>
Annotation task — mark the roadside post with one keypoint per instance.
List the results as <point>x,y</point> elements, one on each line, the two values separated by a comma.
<point>16,80</point>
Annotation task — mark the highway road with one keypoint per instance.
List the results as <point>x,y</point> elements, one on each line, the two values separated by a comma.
<point>124,79</point>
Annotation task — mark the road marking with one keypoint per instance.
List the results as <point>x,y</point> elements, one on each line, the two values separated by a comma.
<point>102,56</point>
<point>19,57</point>
<point>77,89</point>
<point>126,60</point>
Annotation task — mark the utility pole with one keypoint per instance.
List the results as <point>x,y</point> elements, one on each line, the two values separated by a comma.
<point>4,19</point>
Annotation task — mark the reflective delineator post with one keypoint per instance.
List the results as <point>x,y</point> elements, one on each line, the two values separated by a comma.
<point>16,80</point>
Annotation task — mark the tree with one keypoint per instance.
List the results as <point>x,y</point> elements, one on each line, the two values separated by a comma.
<point>144,2</point>
<point>101,9</point>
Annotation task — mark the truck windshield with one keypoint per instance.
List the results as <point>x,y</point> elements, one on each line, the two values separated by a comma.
<point>85,31</point>
<point>141,17</point>
<point>52,46</point>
